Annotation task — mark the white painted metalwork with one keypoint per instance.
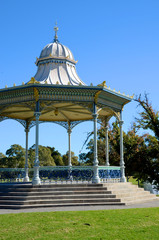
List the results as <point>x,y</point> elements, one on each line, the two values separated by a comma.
<point>107,145</point>
<point>69,131</point>
<point>36,179</point>
<point>26,178</point>
<point>96,178</point>
<point>122,164</point>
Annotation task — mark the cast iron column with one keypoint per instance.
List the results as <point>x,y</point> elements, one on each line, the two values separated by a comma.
<point>122,164</point>
<point>107,146</point>
<point>69,145</point>
<point>26,178</point>
<point>95,178</point>
<point>36,179</point>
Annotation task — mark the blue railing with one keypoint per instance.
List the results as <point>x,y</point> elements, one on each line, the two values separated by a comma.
<point>62,173</point>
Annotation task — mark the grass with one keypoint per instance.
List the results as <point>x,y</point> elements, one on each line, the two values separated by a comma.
<point>126,224</point>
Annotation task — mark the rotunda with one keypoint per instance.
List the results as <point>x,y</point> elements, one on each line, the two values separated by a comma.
<point>56,94</point>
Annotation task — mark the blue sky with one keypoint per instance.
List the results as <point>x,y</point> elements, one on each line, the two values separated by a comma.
<point>116,41</point>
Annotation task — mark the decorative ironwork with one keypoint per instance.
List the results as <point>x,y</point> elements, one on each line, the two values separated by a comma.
<point>11,174</point>
<point>61,173</point>
<point>36,94</point>
<point>3,118</point>
<point>96,96</point>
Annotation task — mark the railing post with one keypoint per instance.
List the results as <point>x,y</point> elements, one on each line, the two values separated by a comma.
<point>122,164</point>
<point>95,178</point>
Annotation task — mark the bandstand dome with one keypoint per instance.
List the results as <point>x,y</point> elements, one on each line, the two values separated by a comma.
<point>57,50</point>
<point>56,65</point>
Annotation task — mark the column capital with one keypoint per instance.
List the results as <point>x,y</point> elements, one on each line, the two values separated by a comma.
<point>37,114</point>
<point>107,127</point>
<point>121,122</point>
<point>26,129</point>
<point>95,115</point>
<point>69,130</point>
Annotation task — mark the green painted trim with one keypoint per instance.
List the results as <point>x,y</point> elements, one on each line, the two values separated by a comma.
<point>109,168</point>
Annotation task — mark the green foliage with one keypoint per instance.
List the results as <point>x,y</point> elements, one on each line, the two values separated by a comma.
<point>15,157</point>
<point>2,155</point>
<point>56,156</point>
<point>48,156</point>
<point>74,159</point>
<point>123,224</point>
<point>149,118</point>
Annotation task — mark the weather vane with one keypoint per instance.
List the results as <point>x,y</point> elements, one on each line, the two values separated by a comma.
<point>56,29</point>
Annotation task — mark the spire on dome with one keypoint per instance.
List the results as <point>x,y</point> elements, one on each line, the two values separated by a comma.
<point>56,29</point>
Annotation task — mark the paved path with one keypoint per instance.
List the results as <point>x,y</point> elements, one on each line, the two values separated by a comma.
<point>154,203</point>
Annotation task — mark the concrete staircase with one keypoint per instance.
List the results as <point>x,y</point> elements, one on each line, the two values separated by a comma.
<point>129,193</point>
<point>20,196</point>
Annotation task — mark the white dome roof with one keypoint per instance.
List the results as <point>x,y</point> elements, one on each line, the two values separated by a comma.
<point>56,49</point>
<point>56,65</point>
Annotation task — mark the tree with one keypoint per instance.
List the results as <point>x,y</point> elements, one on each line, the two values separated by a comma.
<point>2,160</point>
<point>56,156</point>
<point>45,157</point>
<point>74,159</point>
<point>15,157</point>
<point>2,155</point>
<point>149,118</point>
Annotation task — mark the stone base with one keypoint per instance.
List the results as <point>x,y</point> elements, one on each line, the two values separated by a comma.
<point>26,179</point>
<point>123,179</point>
<point>36,181</point>
<point>95,180</point>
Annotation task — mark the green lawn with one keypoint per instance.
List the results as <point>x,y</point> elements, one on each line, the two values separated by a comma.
<point>123,224</point>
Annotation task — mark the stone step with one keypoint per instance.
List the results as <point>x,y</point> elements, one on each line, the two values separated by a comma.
<point>77,188</point>
<point>129,194</point>
<point>120,185</point>
<point>53,201</point>
<point>138,198</point>
<point>55,193</point>
<point>26,198</point>
<point>128,187</point>
<point>49,185</point>
<point>136,201</point>
<point>60,205</point>
<point>133,190</point>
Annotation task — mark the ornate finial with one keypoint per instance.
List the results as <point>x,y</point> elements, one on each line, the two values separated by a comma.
<point>32,81</point>
<point>56,29</point>
<point>103,84</point>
